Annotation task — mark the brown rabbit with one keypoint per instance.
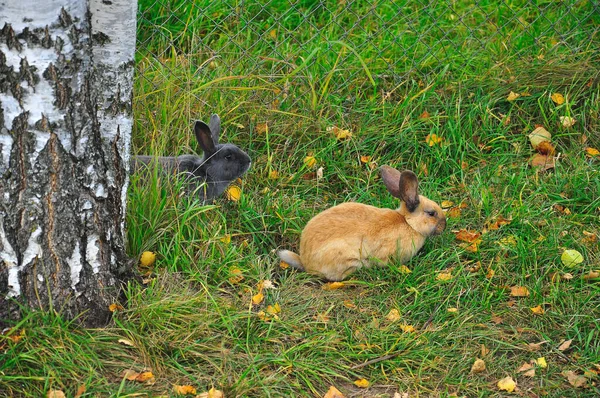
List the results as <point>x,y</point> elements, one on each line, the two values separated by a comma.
<point>340,240</point>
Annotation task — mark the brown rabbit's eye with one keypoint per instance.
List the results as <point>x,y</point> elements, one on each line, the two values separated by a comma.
<point>430,213</point>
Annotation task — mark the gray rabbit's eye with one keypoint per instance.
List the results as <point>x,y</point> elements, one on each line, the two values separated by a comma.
<point>228,157</point>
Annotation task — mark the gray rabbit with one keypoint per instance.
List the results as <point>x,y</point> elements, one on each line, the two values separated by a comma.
<point>210,174</point>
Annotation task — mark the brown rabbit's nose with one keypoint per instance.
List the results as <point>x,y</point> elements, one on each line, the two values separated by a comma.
<point>441,226</point>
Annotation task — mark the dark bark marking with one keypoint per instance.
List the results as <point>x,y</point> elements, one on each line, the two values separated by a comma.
<point>53,172</point>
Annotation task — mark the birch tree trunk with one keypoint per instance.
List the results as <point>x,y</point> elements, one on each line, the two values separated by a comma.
<point>66,69</point>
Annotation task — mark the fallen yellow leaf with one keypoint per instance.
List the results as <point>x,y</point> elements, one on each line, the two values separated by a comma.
<point>115,307</point>
<point>541,362</point>
<point>519,291</point>
<point>444,276</point>
<point>446,204</point>
<point>571,258</point>
<point>333,286</point>
<point>234,193</point>
<point>512,96</point>
<point>55,394</point>
<point>538,310</point>
<point>333,393</point>
<point>407,328</point>
<point>283,265</point>
<point>478,366</point>
<point>404,269</point>
<point>539,135</point>
<point>80,391</point>
<point>212,393</point>
<point>183,390</point>
<point>258,298</point>
<point>226,239</point>
<point>592,275</point>
<point>393,315</point>
<point>144,376</point>
<point>274,309</point>
<point>507,384</point>
<point>273,174</point>
<point>433,139</point>
<point>452,309</point>
<point>310,162</point>
<point>235,275</point>
<point>261,128</point>
<point>591,152</point>
<point>339,133</point>
<point>126,342</point>
<point>365,159</point>
<point>567,121</point>
<point>147,259</point>
<point>362,383</point>
<point>558,99</point>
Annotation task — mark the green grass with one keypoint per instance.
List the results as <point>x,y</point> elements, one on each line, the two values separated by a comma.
<point>191,325</point>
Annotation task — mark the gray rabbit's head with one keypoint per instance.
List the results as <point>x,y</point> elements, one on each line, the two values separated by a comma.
<point>209,175</point>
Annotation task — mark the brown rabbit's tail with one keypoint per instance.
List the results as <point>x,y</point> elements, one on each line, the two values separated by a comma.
<point>290,258</point>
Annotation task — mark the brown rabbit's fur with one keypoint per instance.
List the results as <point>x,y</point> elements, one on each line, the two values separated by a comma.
<point>342,239</point>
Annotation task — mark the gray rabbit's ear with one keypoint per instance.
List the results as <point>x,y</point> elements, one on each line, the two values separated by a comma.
<point>215,127</point>
<point>204,137</point>
<point>391,179</point>
<point>409,190</point>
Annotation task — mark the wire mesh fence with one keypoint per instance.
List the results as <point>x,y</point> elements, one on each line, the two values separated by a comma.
<point>282,55</point>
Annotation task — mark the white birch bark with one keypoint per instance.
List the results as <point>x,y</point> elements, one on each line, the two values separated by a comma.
<point>66,70</point>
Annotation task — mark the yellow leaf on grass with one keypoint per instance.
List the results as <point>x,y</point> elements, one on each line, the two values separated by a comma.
<point>212,393</point>
<point>591,275</point>
<point>144,376</point>
<point>571,258</point>
<point>274,309</point>
<point>283,265</point>
<point>393,315</point>
<point>541,362</point>
<point>433,139</point>
<point>273,175</point>
<point>538,310</point>
<point>512,96</point>
<point>147,259</point>
<point>310,161</point>
<point>591,152</point>
<point>226,239</point>
<point>558,99</point>
<point>235,275</point>
<point>466,235</point>
<point>183,390</point>
<point>55,394</point>
<point>407,328</point>
<point>452,310</point>
<point>365,159</point>
<point>478,366</point>
<point>567,121</point>
<point>339,133</point>
<point>519,291</point>
<point>539,135</point>
<point>258,298</point>
<point>446,204</point>
<point>444,276</point>
<point>404,269</point>
<point>333,393</point>
<point>115,307</point>
<point>126,342</point>
<point>362,383</point>
<point>273,33</point>
<point>507,384</point>
<point>234,193</point>
<point>333,286</point>
<point>261,128</point>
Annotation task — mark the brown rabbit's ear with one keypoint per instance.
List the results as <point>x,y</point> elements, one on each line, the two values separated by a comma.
<point>391,179</point>
<point>409,190</point>
<point>204,137</point>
